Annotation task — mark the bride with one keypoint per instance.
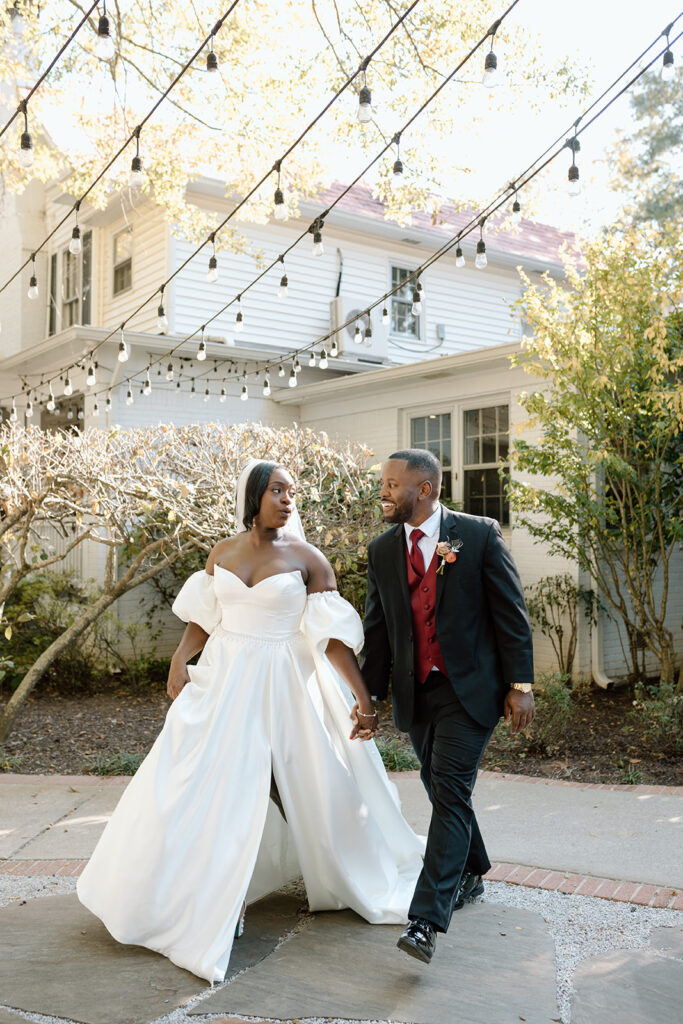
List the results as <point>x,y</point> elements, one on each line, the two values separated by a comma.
<point>265,712</point>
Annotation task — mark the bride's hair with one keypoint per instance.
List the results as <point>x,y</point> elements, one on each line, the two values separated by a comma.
<point>257,483</point>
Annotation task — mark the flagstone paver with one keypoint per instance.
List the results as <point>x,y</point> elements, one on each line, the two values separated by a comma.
<point>628,986</point>
<point>337,966</point>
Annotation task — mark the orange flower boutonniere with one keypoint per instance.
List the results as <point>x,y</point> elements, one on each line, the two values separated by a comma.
<point>447,550</point>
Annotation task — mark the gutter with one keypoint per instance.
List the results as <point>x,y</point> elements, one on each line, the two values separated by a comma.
<point>600,678</point>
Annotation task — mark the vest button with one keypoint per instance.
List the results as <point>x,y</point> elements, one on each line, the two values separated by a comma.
<point>427,607</point>
<point>425,590</point>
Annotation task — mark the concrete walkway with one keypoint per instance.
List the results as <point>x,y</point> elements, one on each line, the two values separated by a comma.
<point>626,833</point>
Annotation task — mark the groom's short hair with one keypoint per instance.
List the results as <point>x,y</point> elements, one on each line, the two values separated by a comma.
<point>419,458</point>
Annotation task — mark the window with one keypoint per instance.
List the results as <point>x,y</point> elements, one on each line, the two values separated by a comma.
<point>433,432</point>
<point>486,441</point>
<point>403,323</point>
<point>71,287</point>
<point>123,261</point>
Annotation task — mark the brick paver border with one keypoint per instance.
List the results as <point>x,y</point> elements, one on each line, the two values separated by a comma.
<point>513,874</point>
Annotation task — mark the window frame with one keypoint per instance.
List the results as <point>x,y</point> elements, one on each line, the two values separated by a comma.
<point>122,263</point>
<point>395,335</point>
<point>80,300</point>
<point>466,467</point>
<point>426,415</point>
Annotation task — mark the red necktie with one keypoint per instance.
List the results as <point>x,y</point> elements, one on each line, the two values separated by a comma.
<point>415,555</point>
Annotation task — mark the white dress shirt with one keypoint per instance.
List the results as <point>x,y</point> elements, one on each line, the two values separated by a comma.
<point>430,528</point>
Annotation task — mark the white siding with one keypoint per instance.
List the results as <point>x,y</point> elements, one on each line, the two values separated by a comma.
<point>150,269</point>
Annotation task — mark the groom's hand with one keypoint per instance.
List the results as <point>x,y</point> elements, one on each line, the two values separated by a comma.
<point>519,710</point>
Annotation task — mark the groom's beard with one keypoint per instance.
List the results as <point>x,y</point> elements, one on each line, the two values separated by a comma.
<point>401,512</point>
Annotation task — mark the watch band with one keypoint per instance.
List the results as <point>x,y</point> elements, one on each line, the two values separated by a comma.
<point>524,687</point>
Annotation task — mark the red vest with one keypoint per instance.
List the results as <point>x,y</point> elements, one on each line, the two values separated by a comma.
<point>423,604</point>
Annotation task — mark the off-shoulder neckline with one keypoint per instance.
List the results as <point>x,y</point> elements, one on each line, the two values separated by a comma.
<point>290,572</point>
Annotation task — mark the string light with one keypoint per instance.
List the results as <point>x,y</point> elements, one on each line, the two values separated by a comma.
<point>284,283</point>
<point>26,141</point>
<point>398,165</point>
<point>201,353</point>
<point>91,379</point>
<point>51,401</point>
<point>29,408</point>
<point>311,358</point>
<point>33,281</point>
<point>147,387</point>
<point>459,258</point>
<point>76,245</point>
<point>245,393</point>
<point>207,395</point>
<point>490,77</point>
<point>123,348</point>
<point>292,378</point>
<point>96,408</point>
<point>279,208</point>
<point>480,260</point>
<point>212,272</point>
<point>107,404</point>
<point>169,372</point>
<point>318,247</point>
<point>129,397</point>
<point>323,360</point>
<point>239,319</point>
<point>193,390</point>
<point>367,340</point>
<point>70,412</point>
<point>13,415</point>
<point>385,315</point>
<point>357,335</point>
<point>365,97</point>
<point>105,44</point>
<point>135,176</point>
<point>516,211</point>
<point>280,370</point>
<point>416,307</point>
<point>668,69</point>
<point>296,365</point>
<point>80,414</point>
<point>334,349</point>
<point>211,59</point>
<point>266,386</point>
<point>223,396</point>
<point>68,386</point>
<point>573,183</point>
<point>162,319</point>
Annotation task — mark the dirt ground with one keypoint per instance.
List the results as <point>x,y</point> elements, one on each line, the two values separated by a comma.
<point>71,734</point>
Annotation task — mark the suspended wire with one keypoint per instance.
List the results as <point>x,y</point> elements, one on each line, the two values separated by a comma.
<point>22,106</point>
<point>134,135</point>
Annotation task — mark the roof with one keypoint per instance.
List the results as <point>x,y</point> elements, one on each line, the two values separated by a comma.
<point>531,241</point>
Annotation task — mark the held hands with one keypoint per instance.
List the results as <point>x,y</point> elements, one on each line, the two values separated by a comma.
<point>178,676</point>
<point>365,723</point>
<point>519,710</point>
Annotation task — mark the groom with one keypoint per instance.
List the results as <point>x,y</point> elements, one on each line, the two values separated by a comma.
<point>450,626</point>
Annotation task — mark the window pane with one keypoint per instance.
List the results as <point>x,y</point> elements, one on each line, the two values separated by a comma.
<point>471,451</point>
<point>434,428</point>
<point>53,294</point>
<point>503,418</point>
<point>492,482</point>
<point>86,278</point>
<point>503,445</point>
<point>446,453</point>
<point>122,277</point>
<point>488,449</point>
<point>474,484</point>
<point>471,422</point>
<point>488,421</point>
<point>417,432</point>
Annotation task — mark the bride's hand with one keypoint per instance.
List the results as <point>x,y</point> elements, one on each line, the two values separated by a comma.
<point>178,676</point>
<point>365,726</point>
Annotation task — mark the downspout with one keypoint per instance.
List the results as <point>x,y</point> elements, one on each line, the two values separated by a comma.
<point>597,670</point>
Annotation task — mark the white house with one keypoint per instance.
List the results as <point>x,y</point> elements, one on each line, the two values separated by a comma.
<point>441,379</point>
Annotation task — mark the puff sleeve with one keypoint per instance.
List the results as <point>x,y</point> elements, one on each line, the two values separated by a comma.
<point>197,602</point>
<point>329,617</point>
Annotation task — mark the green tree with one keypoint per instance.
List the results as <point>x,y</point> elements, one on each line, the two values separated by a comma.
<point>648,161</point>
<point>602,483</point>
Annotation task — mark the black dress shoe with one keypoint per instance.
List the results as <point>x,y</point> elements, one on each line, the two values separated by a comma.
<point>471,886</point>
<point>419,939</point>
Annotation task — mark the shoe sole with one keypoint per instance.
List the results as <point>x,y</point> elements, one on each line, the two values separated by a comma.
<point>411,950</point>
<point>470,898</point>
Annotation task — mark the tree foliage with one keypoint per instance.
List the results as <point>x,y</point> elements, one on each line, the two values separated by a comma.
<point>231,126</point>
<point>602,483</point>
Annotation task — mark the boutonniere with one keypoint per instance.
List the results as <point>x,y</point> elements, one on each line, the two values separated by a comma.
<point>447,550</point>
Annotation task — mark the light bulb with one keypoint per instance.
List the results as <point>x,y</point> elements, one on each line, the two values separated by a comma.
<point>193,390</point>
<point>385,316</point>
<point>68,386</point>
<point>91,379</point>
<point>573,183</point>
<point>334,349</point>
<point>367,340</point>
<point>292,378</point>
<point>416,307</point>
<point>323,360</point>
<point>668,69</point>
<point>169,371</point>
<point>318,248</point>
<point>480,260</point>
<point>516,212</point>
<point>398,168</point>
<point>51,404</point>
<point>212,272</point>
<point>162,319</point>
<point>245,393</point>
<point>211,62</point>
<point>279,208</point>
<point>105,44</point>
<point>70,412</point>
<point>147,388</point>
<point>364,105</point>
<point>201,352</point>
<point>266,387</point>
<point>29,409</point>
<point>135,176</point>
<point>280,370</point>
<point>357,335</point>
<point>490,77</point>
<point>96,409</point>
<point>26,150</point>
<point>459,258</point>
<point>311,358</point>
<point>239,323</point>
<point>297,365</point>
<point>33,287</point>
<point>207,395</point>
<point>107,405</point>
<point>223,396</point>
<point>283,289</point>
<point>13,415</point>
<point>123,350</point>
<point>75,245</point>
<point>129,397</point>
<point>80,414</point>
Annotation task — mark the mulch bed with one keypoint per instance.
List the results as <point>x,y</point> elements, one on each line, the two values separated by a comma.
<point>69,734</point>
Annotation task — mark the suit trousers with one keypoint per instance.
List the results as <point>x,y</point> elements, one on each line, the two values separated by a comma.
<point>450,745</point>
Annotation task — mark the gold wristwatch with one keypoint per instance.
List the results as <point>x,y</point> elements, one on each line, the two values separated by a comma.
<point>524,687</point>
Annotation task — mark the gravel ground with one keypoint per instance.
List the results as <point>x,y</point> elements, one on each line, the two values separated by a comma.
<point>581,927</point>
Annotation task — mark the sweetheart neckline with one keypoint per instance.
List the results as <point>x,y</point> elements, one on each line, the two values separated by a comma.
<point>265,578</point>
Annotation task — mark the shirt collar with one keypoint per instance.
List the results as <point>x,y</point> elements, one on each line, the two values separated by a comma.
<point>430,527</point>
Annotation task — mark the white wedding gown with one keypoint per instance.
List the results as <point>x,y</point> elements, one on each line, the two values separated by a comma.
<point>195,832</point>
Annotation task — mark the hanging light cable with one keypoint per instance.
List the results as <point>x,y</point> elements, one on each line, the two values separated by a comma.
<point>162,319</point>
<point>573,182</point>
<point>283,287</point>
<point>211,59</point>
<point>279,208</point>
<point>135,176</point>
<point>364,96</point>
<point>668,68</point>
<point>480,260</point>
<point>105,44</point>
<point>212,272</point>
<point>26,142</point>
<point>490,78</point>
<point>201,352</point>
<point>33,281</point>
<point>76,245</point>
<point>398,166</point>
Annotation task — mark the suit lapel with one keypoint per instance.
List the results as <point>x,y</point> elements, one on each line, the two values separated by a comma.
<point>445,532</point>
<point>398,558</point>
